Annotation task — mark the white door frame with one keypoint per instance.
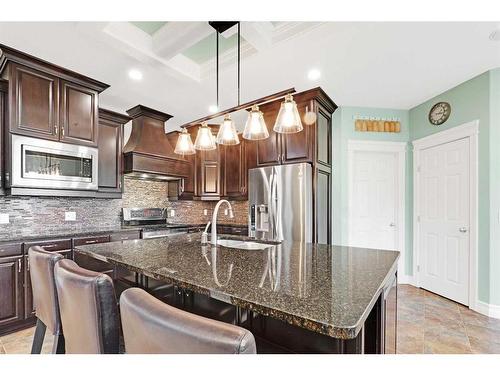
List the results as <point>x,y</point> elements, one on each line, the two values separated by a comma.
<point>399,150</point>
<point>468,130</point>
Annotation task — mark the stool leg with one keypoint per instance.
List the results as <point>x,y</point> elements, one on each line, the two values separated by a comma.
<point>58,345</point>
<point>36,347</point>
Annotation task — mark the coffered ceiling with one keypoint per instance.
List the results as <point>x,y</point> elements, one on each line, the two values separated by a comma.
<point>388,65</point>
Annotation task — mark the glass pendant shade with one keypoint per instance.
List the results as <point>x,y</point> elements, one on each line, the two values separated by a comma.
<point>255,127</point>
<point>184,145</point>
<point>288,120</point>
<point>227,134</point>
<point>204,139</point>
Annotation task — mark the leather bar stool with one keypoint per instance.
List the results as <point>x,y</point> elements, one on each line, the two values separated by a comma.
<point>151,326</point>
<point>89,312</point>
<point>45,298</point>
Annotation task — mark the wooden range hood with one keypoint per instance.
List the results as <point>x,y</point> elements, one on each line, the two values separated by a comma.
<point>148,154</point>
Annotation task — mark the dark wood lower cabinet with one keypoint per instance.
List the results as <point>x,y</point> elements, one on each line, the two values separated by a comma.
<point>17,310</point>
<point>11,290</point>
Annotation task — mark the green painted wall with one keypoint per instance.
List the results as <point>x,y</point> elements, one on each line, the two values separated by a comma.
<point>476,99</point>
<point>469,101</point>
<point>494,186</point>
<point>343,131</point>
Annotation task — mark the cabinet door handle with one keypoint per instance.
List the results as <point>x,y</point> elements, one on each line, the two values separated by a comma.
<point>56,129</point>
<point>19,265</point>
<point>27,264</point>
<point>62,131</point>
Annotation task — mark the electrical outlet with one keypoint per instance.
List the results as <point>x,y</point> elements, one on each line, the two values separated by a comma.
<point>172,213</point>
<point>205,212</point>
<point>4,218</point>
<point>69,215</point>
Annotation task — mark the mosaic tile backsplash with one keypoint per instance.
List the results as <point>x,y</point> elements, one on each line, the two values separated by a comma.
<point>34,216</point>
<point>30,216</point>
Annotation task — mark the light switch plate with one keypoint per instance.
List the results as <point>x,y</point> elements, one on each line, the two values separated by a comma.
<point>172,213</point>
<point>225,212</point>
<point>70,215</point>
<point>4,218</point>
<point>205,212</point>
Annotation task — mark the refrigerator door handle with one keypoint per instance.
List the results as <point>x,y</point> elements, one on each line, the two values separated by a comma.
<point>270,205</point>
<point>277,210</point>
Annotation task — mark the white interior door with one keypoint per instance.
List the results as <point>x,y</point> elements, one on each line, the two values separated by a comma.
<point>443,219</point>
<point>374,200</point>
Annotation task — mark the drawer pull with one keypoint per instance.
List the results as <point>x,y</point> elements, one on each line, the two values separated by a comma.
<point>49,246</point>
<point>91,241</point>
<point>124,238</point>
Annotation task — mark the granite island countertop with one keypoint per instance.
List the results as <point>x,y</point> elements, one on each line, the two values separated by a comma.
<point>324,288</point>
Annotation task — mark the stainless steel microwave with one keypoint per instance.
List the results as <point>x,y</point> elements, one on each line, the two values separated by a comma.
<point>39,163</point>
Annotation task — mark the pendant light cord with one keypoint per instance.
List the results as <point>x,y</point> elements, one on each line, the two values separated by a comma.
<point>217,68</point>
<point>239,63</point>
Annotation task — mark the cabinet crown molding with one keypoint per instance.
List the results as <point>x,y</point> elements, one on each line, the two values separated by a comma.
<point>8,54</point>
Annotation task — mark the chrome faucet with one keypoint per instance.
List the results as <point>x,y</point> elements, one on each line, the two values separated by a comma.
<point>213,239</point>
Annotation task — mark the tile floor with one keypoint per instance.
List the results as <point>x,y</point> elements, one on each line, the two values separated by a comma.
<point>427,323</point>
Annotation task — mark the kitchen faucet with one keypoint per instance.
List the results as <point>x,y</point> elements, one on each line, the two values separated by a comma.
<point>213,239</point>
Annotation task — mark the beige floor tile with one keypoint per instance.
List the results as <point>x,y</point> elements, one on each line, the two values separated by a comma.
<point>20,342</point>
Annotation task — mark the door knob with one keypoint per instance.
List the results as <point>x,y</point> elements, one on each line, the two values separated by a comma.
<point>463,229</point>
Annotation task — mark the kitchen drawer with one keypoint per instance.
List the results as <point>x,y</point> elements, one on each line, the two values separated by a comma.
<point>11,249</point>
<point>90,240</point>
<point>123,236</point>
<point>53,245</point>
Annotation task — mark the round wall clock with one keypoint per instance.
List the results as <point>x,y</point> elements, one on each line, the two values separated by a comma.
<point>439,113</point>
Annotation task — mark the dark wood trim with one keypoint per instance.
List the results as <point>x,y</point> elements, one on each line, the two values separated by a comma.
<point>141,110</point>
<point>113,116</point>
<point>8,54</point>
<point>247,105</point>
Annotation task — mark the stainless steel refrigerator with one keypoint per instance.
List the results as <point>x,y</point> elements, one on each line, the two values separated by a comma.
<point>280,203</point>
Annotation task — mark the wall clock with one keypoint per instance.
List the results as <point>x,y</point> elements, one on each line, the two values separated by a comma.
<point>439,113</point>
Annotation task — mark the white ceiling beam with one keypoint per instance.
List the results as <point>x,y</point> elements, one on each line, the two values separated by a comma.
<point>258,34</point>
<point>175,37</point>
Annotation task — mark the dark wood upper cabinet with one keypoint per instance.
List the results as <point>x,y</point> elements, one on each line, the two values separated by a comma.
<point>268,151</point>
<point>208,170</point>
<point>234,170</point>
<point>298,147</point>
<point>186,187</point>
<point>78,114</point>
<point>110,145</point>
<point>3,118</point>
<point>48,101</point>
<point>34,103</point>
<point>11,290</point>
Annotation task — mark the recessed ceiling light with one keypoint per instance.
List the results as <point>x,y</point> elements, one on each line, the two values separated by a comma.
<point>495,35</point>
<point>314,74</point>
<point>213,108</point>
<point>135,74</point>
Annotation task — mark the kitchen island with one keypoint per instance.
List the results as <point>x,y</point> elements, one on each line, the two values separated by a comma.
<point>296,297</point>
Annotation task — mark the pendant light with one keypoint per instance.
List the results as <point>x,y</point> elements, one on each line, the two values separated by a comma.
<point>184,145</point>
<point>255,127</point>
<point>288,120</point>
<point>227,134</point>
<point>205,140</point>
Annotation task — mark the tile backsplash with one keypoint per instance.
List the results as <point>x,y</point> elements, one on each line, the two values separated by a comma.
<point>30,216</point>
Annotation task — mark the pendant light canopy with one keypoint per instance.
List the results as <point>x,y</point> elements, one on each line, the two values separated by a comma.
<point>184,145</point>
<point>255,127</point>
<point>227,134</point>
<point>205,140</point>
<point>288,120</point>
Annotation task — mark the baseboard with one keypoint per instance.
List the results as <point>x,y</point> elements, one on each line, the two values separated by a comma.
<point>405,279</point>
<point>490,310</point>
